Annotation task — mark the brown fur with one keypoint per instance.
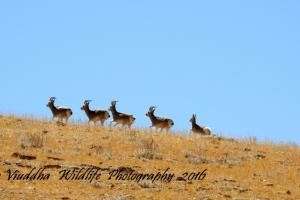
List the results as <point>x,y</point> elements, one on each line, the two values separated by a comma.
<point>159,122</point>
<point>120,118</point>
<point>60,113</point>
<point>95,115</point>
<point>196,128</point>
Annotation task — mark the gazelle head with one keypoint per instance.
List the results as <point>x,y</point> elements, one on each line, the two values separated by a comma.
<point>193,119</point>
<point>85,104</point>
<point>151,110</point>
<point>51,101</point>
<point>113,105</point>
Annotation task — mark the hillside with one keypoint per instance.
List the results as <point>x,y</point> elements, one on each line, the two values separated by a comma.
<point>223,168</point>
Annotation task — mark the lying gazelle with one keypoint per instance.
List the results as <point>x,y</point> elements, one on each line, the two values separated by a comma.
<point>120,118</point>
<point>199,129</point>
<point>60,113</point>
<point>158,122</point>
<point>94,115</point>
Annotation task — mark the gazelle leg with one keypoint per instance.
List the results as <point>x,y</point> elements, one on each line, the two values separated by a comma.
<point>150,127</point>
<point>116,124</point>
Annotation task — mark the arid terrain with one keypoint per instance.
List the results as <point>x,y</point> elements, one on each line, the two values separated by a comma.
<point>237,169</point>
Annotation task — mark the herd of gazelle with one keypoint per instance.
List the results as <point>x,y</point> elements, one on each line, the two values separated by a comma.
<point>62,114</point>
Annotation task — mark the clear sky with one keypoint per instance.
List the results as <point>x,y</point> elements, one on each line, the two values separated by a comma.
<point>235,64</point>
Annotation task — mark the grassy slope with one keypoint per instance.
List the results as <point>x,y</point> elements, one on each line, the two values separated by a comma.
<point>236,169</point>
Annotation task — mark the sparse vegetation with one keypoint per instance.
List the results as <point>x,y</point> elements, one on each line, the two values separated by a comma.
<point>196,159</point>
<point>146,184</point>
<point>148,149</point>
<point>35,140</point>
<point>236,169</point>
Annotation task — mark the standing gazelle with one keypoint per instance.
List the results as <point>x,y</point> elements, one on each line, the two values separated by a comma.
<point>61,113</point>
<point>120,118</point>
<point>94,115</point>
<point>199,129</point>
<point>159,122</point>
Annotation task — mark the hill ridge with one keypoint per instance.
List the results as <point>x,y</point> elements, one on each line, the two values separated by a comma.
<point>232,168</point>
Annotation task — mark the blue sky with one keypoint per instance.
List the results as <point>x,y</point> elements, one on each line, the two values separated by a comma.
<point>233,63</point>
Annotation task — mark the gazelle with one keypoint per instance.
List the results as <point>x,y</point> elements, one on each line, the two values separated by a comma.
<point>159,122</point>
<point>94,115</point>
<point>61,113</point>
<point>199,129</point>
<point>120,118</point>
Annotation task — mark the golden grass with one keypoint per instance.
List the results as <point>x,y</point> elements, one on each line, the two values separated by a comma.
<point>236,169</point>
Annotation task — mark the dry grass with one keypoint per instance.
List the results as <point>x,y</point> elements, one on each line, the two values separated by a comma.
<point>236,169</point>
<point>148,149</point>
<point>35,140</point>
